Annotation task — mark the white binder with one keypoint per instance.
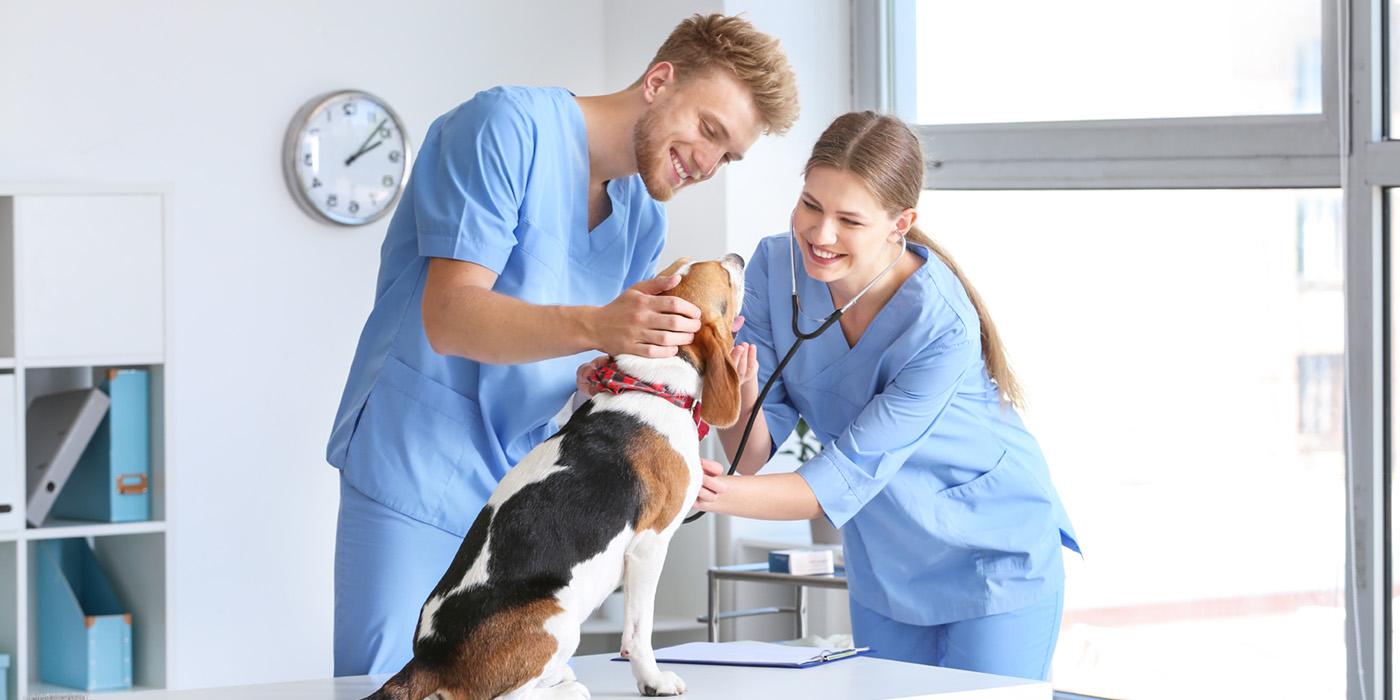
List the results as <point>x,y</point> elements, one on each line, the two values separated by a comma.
<point>57,428</point>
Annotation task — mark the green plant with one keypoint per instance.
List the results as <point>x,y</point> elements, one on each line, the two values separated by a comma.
<point>807,445</point>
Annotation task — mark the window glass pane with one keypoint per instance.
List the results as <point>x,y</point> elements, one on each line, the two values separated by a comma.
<point>1181,356</point>
<point>1029,60</point>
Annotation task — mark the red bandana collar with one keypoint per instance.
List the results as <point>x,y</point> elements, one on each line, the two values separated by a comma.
<point>609,378</point>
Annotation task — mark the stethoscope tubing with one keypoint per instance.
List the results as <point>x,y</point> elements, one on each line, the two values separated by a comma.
<point>800,338</point>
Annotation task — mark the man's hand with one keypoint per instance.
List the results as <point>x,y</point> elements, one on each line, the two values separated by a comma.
<point>585,370</point>
<point>638,322</point>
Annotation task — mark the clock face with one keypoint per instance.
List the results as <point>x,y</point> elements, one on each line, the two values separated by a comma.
<point>346,157</point>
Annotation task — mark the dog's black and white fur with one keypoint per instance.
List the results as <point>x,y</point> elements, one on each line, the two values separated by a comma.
<point>594,505</point>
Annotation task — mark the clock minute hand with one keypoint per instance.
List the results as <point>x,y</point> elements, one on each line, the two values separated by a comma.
<point>363,148</point>
<point>362,151</point>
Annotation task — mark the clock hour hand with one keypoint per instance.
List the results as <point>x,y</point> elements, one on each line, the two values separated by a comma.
<point>362,151</point>
<point>363,146</point>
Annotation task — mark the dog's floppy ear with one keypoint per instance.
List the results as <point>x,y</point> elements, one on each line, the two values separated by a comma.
<point>719,397</point>
<point>671,269</point>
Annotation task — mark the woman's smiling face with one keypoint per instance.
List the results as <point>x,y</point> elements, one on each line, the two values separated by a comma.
<point>844,232</point>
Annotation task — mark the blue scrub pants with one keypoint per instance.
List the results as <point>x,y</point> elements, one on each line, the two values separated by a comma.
<point>386,564</point>
<point>1019,643</point>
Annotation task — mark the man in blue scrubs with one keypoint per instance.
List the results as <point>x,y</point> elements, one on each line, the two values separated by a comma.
<point>523,243</point>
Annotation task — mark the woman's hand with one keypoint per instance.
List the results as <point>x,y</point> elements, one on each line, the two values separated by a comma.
<point>745,356</point>
<point>783,496</point>
<point>713,485</point>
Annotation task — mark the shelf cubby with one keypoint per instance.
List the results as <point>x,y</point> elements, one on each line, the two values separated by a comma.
<point>83,289</point>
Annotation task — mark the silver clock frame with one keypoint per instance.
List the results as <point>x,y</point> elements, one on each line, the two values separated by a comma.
<point>290,148</point>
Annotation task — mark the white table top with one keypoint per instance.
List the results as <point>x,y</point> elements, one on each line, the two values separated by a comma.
<point>860,678</point>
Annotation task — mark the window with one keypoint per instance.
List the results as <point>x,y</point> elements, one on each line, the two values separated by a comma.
<point>1027,61</point>
<point>1212,167</point>
<point>1320,390</point>
<point>1174,423</point>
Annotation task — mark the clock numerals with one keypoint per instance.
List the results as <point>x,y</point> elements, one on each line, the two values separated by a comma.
<point>323,152</point>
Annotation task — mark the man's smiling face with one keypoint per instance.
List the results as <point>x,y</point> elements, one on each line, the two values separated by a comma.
<point>692,129</point>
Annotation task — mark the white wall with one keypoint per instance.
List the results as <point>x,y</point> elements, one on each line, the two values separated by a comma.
<point>266,304</point>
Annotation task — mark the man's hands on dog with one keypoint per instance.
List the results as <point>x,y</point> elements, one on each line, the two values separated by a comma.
<point>585,370</point>
<point>638,322</point>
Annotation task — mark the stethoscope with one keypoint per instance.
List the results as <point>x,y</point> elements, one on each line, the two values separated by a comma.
<point>801,337</point>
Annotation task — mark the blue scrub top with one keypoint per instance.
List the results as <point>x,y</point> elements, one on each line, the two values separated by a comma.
<point>501,181</point>
<point>942,496</point>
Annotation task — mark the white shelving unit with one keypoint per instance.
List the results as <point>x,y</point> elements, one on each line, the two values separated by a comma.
<point>83,275</point>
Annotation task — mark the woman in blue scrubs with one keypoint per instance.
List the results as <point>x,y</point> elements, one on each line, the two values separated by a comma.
<point>951,526</point>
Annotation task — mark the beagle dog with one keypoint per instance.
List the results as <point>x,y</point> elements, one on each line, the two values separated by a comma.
<point>594,505</point>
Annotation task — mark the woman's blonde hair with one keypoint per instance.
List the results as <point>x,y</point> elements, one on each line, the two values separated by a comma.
<point>885,154</point>
<point>705,42</point>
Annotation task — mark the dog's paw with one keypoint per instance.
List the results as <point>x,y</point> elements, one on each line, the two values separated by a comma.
<point>667,683</point>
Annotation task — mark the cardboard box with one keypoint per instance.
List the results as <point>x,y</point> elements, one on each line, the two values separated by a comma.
<point>802,562</point>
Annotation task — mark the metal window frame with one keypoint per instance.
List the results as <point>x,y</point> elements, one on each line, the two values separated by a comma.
<point>1342,147</point>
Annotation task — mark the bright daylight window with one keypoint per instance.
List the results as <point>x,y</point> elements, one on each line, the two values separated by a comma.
<point>1179,215</point>
<point>1182,356</point>
<point>1023,60</point>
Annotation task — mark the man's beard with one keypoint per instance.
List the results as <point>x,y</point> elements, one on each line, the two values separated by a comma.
<point>648,155</point>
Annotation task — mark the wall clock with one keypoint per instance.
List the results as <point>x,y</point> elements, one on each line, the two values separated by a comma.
<point>346,157</point>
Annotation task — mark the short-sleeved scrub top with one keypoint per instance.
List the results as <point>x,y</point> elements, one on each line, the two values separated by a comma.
<point>501,181</point>
<point>943,498</point>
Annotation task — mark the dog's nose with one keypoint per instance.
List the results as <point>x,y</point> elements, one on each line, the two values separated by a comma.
<point>736,259</point>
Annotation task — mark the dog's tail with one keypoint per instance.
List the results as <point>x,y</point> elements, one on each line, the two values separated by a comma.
<point>411,683</point>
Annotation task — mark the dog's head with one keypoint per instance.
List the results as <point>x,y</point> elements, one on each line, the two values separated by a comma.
<point>717,287</point>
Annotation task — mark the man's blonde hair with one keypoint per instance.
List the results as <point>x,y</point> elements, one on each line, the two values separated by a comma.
<point>705,42</point>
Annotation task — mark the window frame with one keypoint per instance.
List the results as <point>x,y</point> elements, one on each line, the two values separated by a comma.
<point>1344,146</point>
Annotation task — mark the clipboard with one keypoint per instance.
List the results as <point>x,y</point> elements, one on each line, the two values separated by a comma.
<point>765,654</point>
